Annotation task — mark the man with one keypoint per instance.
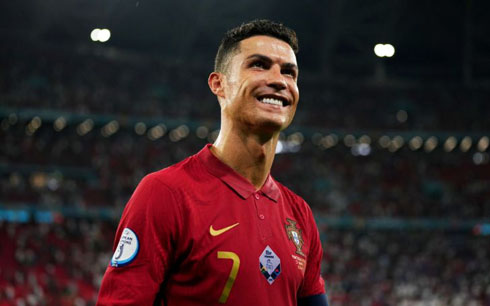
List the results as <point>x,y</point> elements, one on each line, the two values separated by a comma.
<point>216,228</point>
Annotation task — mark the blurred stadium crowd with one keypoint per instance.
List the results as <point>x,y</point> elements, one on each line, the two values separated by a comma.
<point>62,264</point>
<point>350,154</point>
<point>124,84</point>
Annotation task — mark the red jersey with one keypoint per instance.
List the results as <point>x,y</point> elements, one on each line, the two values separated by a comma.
<point>198,233</point>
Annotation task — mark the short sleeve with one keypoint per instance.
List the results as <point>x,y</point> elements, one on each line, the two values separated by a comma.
<point>143,246</point>
<point>313,283</point>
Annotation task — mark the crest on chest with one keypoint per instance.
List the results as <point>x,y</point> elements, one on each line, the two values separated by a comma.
<point>294,235</point>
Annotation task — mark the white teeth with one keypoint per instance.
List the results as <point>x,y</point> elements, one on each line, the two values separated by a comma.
<point>272,101</point>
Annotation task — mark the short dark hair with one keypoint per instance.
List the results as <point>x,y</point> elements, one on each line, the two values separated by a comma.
<point>230,42</point>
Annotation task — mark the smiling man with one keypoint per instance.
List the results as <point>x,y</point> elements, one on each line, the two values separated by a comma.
<point>216,228</point>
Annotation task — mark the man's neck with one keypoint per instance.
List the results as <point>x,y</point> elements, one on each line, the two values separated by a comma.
<point>248,155</point>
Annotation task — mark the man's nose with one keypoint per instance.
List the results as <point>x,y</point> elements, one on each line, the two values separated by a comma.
<point>276,79</point>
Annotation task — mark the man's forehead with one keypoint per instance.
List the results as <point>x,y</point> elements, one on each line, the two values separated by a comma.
<point>269,46</point>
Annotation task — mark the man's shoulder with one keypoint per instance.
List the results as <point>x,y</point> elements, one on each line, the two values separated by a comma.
<point>177,174</point>
<point>301,211</point>
<point>290,196</point>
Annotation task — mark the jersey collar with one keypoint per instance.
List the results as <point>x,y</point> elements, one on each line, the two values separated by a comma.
<point>234,180</point>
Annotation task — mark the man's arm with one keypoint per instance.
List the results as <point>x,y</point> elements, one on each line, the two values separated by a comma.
<point>312,291</point>
<point>314,300</point>
<point>143,246</point>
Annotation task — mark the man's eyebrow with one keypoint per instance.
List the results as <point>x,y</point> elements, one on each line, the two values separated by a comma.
<point>289,66</point>
<point>269,60</point>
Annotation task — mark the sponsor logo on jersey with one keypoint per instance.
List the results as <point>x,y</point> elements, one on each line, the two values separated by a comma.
<point>126,250</point>
<point>270,265</point>
<point>218,232</point>
<point>294,234</point>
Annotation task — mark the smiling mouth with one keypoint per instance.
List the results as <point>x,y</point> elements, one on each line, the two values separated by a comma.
<point>273,101</point>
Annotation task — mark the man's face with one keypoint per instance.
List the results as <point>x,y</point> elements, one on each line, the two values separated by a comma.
<point>260,87</point>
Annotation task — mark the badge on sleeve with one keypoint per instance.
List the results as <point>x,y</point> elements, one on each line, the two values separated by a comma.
<point>126,250</point>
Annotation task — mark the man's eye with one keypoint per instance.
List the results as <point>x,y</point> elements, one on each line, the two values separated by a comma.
<point>290,72</point>
<point>257,64</point>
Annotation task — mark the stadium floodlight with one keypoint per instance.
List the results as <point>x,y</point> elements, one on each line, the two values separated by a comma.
<point>174,135</point>
<point>279,147</point>
<point>104,35</point>
<point>415,143</point>
<point>29,130</point>
<point>213,135</point>
<point>396,143</point>
<point>183,131</point>
<point>329,141</point>
<point>402,116</point>
<point>59,124</point>
<point>379,50</point>
<point>483,144</point>
<point>450,143</point>
<point>286,146</point>
<point>430,144</point>
<point>157,131</point>
<point>465,144</point>
<point>33,125</point>
<point>480,158</point>
<point>384,50</point>
<point>389,50</point>
<point>349,140</point>
<point>179,133</point>
<point>384,141</point>
<point>365,139</point>
<point>140,128</point>
<point>101,35</point>
<point>296,138</point>
<point>202,132</point>
<point>110,128</point>
<point>94,35</point>
<point>36,122</point>
<point>361,149</point>
<point>85,127</point>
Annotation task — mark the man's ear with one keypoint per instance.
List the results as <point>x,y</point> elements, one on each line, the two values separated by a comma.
<point>216,82</point>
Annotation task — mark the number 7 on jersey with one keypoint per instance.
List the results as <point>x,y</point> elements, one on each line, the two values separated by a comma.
<point>233,273</point>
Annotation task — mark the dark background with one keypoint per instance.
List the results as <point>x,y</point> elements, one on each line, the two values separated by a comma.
<point>390,153</point>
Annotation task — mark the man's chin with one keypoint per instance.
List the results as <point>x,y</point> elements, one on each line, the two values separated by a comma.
<point>268,126</point>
